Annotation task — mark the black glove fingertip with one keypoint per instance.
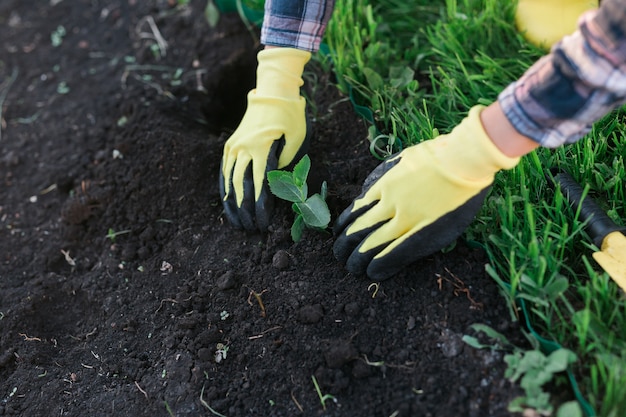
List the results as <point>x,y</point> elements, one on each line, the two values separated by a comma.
<point>384,268</point>
<point>229,204</point>
<point>232,214</point>
<point>358,262</point>
<point>428,240</point>
<point>349,215</point>
<point>346,249</point>
<point>264,205</point>
<point>264,209</point>
<point>247,209</point>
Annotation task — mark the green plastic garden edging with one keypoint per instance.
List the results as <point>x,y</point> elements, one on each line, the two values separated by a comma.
<point>549,346</point>
<point>229,6</point>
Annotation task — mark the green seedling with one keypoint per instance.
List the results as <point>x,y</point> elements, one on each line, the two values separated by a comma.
<point>156,51</point>
<point>122,121</point>
<point>532,369</point>
<point>169,409</point>
<point>311,212</point>
<point>221,352</point>
<point>56,37</point>
<point>211,13</point>
<point>62,88</point>
<point>323,398</point>
<point>112,234</point>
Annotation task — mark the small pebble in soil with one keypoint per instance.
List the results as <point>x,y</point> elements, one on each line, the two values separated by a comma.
<point>410,324</point>
<point>339,354</point>
<point>10,159</point>
<point>361,370</point>
<point>280,260</point>
<point>311,314</point>
<point>226,281</point>
<point>451,343</point>
<point>352,309</point>
<point>209,337</point>
<point>205,354</point>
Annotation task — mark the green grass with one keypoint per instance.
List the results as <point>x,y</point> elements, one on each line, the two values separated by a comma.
<point>419,66</point>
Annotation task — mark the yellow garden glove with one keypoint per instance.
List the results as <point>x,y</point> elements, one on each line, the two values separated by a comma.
<point>545,22</point>
<point>419,201</point>
<point>271,135</point>
<point>612,257</point>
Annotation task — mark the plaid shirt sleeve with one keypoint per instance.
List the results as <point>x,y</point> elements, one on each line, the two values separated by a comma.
<point>296,24</point>
<point>582,79</point>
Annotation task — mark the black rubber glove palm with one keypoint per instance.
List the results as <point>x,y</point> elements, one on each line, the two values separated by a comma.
<point>419,201</point>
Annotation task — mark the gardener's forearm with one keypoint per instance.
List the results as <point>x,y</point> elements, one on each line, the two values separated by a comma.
<point>503,134</point>
<point>558,99</point>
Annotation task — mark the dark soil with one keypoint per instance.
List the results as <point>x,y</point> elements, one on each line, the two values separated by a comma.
<point>119,276</point>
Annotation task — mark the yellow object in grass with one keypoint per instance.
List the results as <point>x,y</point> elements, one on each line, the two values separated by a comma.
<point>545,22</point>
<point>612,257</point>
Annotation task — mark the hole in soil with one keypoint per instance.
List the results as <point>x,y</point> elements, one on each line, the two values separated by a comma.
<point>222,105</point>
<point>232,87</point>
<point>53,316</point>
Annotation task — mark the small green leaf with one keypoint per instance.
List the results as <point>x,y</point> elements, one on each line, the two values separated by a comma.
<point>569,409</point>
<point>500,340</point>
<point>324,190</point>
<point>57,36</point>
<point>212,14</point>
<point>473,342</point>
<point>374,80</point>
<point>279,176</point>
<point>301,172</point>
<point>559,360</point>
<point>400,77</point>
<point>315,211</point>
<point>304,191</point>
<point>282,186</point>
<point>297,228</point>
<point>121,122</point>
<point>556,287</point>
<point>534,379</point>
<point>516,405</point>
<point>62,88</point>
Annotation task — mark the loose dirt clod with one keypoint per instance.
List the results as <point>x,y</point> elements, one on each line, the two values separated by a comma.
<point>311,314</point>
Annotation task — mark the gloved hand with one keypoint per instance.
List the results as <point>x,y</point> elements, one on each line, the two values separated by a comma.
<point>271,135</point>
<point>419,201</point>
<point>545,22</point>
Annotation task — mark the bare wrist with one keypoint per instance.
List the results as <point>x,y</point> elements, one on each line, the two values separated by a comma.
<point>502,133</point>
